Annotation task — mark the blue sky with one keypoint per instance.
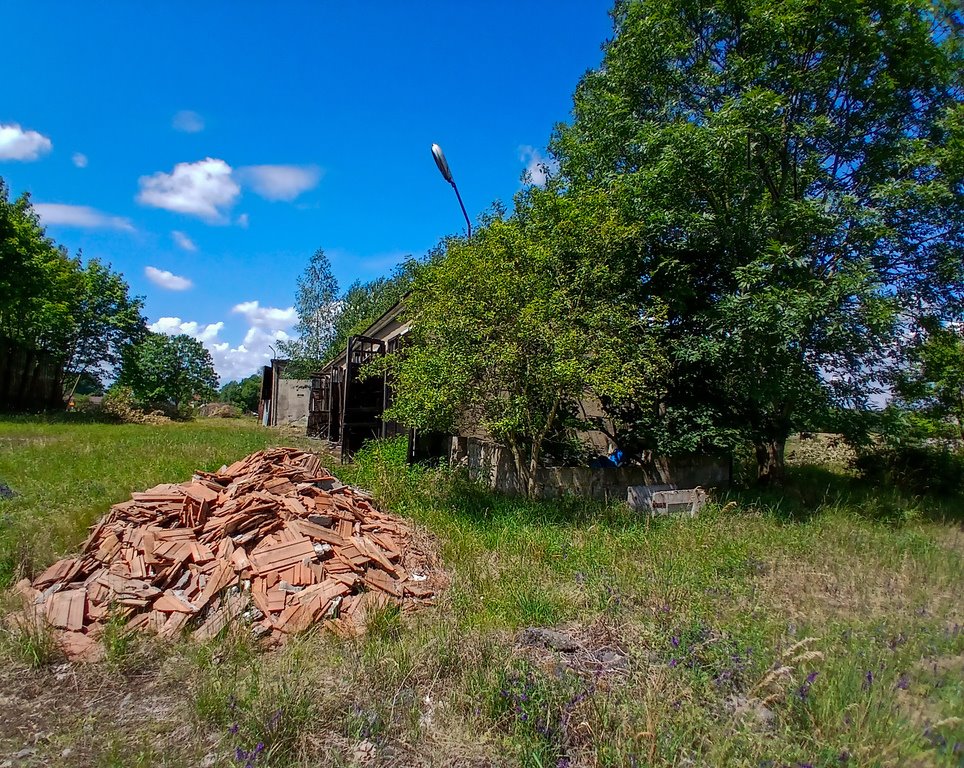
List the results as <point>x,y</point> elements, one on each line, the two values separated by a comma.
<point>207,149</point>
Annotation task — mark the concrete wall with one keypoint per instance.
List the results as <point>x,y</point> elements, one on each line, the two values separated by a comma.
<point>494,465</point>
<point>289,402</point>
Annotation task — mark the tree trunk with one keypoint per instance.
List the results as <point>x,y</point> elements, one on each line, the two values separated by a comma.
<point>521,468</point>
<point>769,461</point>
<point>533,468</point>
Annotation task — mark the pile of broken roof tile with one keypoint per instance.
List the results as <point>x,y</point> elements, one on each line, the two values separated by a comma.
<point>273,539</point>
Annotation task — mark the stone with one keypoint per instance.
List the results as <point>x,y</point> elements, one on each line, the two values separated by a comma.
<point>549,638</point>
<point>753,708</point>
<point>611,659</point>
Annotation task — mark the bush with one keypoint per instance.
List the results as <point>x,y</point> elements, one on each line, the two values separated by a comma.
<point>919,468</point>
<point>219,411</point>
<point>119,404</point>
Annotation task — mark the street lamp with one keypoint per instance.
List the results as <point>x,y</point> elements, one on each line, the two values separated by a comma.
<point>443,168</point>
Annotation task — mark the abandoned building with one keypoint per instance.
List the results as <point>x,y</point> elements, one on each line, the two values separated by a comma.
<point>346,410</point>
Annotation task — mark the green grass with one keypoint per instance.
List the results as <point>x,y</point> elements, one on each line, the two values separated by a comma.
<point>67,472</point>
<point>816,625</point>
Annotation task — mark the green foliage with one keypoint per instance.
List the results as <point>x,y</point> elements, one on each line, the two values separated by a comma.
<point>918,468</point>
<point>793,171</point>
<point>246,394</point>
<point>512,327</point>
<point>317,304</point>
<point>729,596</point>
<point>83,314</point>
<point>934,380</point>
<point>363,303</point>
<point>169,369</point>
<point>39,283</point>
<point>534,709</point>
<point>29,639</point>
<point>105,321</point>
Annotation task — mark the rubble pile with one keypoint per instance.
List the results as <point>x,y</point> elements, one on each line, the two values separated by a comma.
<point>273,538</point>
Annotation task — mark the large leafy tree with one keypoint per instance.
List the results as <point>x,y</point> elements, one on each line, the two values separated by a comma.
<point>80,314</point>
<point>316,302</point>
<point>106,320</point>
<point>795,170</point>
<point>512,328</point>
<point>173,370</point>
<point>40,285</point>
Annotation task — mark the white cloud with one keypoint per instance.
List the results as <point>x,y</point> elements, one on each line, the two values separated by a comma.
<point>231,362</point>
<point>538,168</point>
<point>266,317</point>
<point>234,363</point>
<point>205,189</point>
<point>79,159</point>
<point>166,279</point>
<point>80,216</point>
<point>173,326</point>
<point>187,121</point>
<point>18,144</point>
<point>279,182</point>
<point>183,241</point>
<point>243,221</point>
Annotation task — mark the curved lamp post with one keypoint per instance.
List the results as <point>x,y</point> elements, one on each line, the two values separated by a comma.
<point>443,168</point>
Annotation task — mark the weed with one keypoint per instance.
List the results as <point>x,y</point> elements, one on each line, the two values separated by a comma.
<point>29,639</point>
<point>118,642</point>
<point>385,623</point>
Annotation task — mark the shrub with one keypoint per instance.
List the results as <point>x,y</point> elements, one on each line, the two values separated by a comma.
<point>119,404</point>
<point>920,468</point>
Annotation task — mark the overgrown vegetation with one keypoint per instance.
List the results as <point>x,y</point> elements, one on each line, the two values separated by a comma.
<point>816,625</point>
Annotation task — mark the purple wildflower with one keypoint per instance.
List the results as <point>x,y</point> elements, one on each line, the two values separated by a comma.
<point>903,682</point>
<point>844,756</point>
<point>868,680</point>
<point>563,762</point>
<point>674,640</point>
<point>673,663</point>
<point>805,688</point>
<point>233,729</point>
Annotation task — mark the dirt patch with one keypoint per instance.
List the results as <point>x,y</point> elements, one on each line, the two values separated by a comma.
<point>808,591</point>
<point>51,716</point>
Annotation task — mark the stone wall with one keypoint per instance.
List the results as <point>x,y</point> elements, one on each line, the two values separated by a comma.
<point>493,464</point>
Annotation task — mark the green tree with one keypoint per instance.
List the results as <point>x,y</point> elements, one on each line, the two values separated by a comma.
<point>511,328</point>
<point>933,382</point>
<point>174,370</point>
<point>365,302</point>
<point>81,314</point>
<point>106,320</point>
<point>40,285</point>
<point>317,304</point>
<point>795,170</point>
<point>246,394</point>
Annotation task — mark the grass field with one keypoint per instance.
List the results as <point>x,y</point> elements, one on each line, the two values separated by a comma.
<point>818,626</point>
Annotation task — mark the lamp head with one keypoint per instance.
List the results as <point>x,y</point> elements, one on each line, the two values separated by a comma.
<point>442,163</point>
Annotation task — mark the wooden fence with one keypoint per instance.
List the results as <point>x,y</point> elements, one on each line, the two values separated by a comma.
<point>30,379</point>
